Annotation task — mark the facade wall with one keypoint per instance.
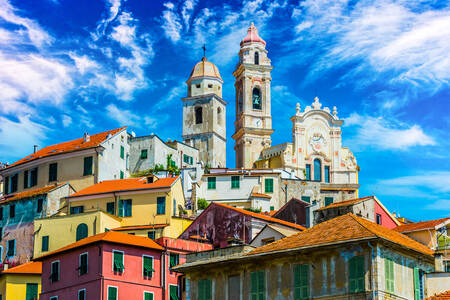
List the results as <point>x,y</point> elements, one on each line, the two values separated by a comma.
<point>386,220</point>
<point>22,233</point>
<point>15,286</point>
<point>437,283</point>
<point>266,233</point>
<point>110,164</point>
<point>55,199</point>
<point>295,212</point>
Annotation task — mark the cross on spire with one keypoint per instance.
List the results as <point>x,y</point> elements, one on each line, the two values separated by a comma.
<point>204,50</point>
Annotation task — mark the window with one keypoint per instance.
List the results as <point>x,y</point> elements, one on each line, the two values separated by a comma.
<point>418,284</point>
<point>53,172</point>
<point>1,213</point>
<point>256,58</point>
<point>188,159</point>
<point>33,177</point>
<point>110,208</point>
<point>147,266</point>
<point>389,274</point>
<point>6,186</point>
<point>83,264</point>
<point>45,242</point>
<point>356,274</point>
<point>211,183</point>
<point>82,294</point>
<point>197,86</point>
<point>54,298</point>
<point>235,182</point>
<point>174,259</point>
<point>14,183</point>
<point>125,208</point>
<point>379,219</point>
<point>210,86</point>
<point>317,170</point>
<point>256,97</point>
<point>118,261</point>
<point>54,275</point>
<point>308,172</point>
<point>328,200</point>
<point>301,282</point>
<point>82,231</point>
<point>112,293</point>
<point>144,153</point>
<point>272,208</point>
<point>122,152</point>
<point>327,174</point>
<point>205,289</point>
<point>32,291</point>
<point>39,205</point>
<point>161,205</point>
<point>148,296</point>
<point>258,285</point>
<point>151,234</point>
<point>25,179</point>
<point>121,176</point>
<point>12,211</point>
<point>76,210</point>
<point>173,292</point>
<point>87,170</point>
<point>234,287</point>
<point>198,115</point>
<point>268,185</point>
<point>306,199</point>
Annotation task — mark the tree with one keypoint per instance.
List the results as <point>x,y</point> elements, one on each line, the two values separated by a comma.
<point>202,203</point>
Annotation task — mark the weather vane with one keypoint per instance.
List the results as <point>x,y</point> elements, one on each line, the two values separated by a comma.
<point>204,50</point>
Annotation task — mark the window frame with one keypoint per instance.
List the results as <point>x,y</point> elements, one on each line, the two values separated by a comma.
<point>357,274</point>
<point>122,208</point>
<point>39,205</point>
<point>326,199</point>
<point>116,288</point>
<point>144,151</point>
<point>123,261</point>
<point>89,170</point>
<point>266,185</point>
<point>160,211</point>
<point>212,182</point>
<point>204,283</point>
<point>151,293</point>
<point>79,263</point>
<point>389,273</point>
<point>47,238</point>
<point>122,152</point>
<point>53,298</point>
<point>308,172</point>
<point>51,270</point>
<point>82,290</point>
<point>178,291</point>
<point>12,211</point>
<point>29,284</point>
<point>233,182</point>
<point>8,248</point>
<point>143,268</point>
<point>52,173</point>
<point>177,259</point>
<point>153,233</point>
<point>326,174</point>
<point>113,208</point>
<point>257,292</point>
<point>378,216</point>
<point>299,284</point>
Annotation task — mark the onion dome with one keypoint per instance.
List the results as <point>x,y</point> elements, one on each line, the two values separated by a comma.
<point>252,36</point>
<point>205,68</point>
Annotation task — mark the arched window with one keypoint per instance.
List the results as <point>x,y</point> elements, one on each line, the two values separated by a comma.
<point>256,58</point>
<point>82,231</point>
<point>256,98</point>
<point>219,116</point>
<point>317,170</point>
<point>198,115</point>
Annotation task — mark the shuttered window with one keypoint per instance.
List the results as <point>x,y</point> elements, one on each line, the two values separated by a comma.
<point>122,175</point>
<point>144,153</point>
<point>308,172</point>
<point>122,152</point>
<point>205,289</point>
<point>257,285</point>
<point>45,243</point>
<point>125,208</point>
<point>173,292</point>
<point>34,177</point>
<point>110,208</point>
<point>83,267</point>
<point>306,199</point>
<point>174,259</point>
<point>328,200</point>
<point>54,276</point>
<point>87,166</point>
<point>389,274</point>
<point>112,293</point>
<point>235,182</point>
<point>327,174</point>
<point>11,248</point>
<point>32,291</point>
<point>118,265</point>
<point>53,172</point>
<point>39,204</point>
<point>418,294</point>
<point>301,282</point>
<point>147,266</point>
<point>268,185</point>
<point>82,294</point>
<point>14,183</point>
<point>161,205</point>
<point>356,274</point>
<point>82,231</point>
<point>148,296</point>
<point>25,179</point>
<point>211,183</point>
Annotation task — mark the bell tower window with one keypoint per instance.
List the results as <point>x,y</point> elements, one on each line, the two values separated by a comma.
<point>256,96</point>
<point>317,170</point>
<point>219,116</point>
<point>239,103</point>
<point>256,58</point>
<point>198,115</point>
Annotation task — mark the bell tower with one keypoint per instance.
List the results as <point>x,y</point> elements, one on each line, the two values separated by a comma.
<point>253,125</point>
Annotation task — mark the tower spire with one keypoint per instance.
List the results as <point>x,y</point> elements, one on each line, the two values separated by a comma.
<point>204,50</point>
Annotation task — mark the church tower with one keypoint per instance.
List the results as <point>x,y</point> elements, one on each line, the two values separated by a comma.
<point>253,125</point>
<point>204,120</point>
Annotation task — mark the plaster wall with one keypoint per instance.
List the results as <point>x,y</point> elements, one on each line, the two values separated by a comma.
<point>109,161</point>
<point>22,233</point>
<point>436,283</point>
<point>15,286</point>
<point>266,233</point>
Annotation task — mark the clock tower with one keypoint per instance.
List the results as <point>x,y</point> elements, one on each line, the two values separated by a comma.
<point>253,125</point>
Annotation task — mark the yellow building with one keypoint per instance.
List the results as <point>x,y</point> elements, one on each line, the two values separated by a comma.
<point>21,282</point>
<point>145,206</point>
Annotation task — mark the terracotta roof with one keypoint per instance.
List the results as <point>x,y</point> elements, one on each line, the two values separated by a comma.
<point>420,225</point>
<point>205,68</point>
<point>344,228</point>
<point>30,193</point>
<point>34,267</point>
<point>258,195</point>
<point>252,36</point>
<point>108,237</point>
<point>70,146</point>
<point>441,296</point>
<point>262,217</point>
<point>345,203</point>
<point>140,227</point>
<point>120,185</point>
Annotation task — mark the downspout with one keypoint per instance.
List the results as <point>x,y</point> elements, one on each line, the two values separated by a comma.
<point>100,267</point>
<point>371,271</point>
<point>96,167</point>
<point>163,272</point>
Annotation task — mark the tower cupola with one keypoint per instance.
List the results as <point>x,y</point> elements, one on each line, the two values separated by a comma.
<point>204,79</point>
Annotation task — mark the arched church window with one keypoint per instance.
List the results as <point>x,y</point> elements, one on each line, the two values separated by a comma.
<point>256,58</point>
<point>317,170</point>
<point>256,98</point>
<point>219,116</point>
<point>198,115</point>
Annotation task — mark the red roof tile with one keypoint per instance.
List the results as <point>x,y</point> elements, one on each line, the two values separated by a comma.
<point>109,237</point>
<point>441,296</point>
<point>262,217</point>
<point>70,146</point>
<point>344,228</point>
<point>420,225</point>
<point>258,195</point>
<point>129,184</point>
<point>30,193</point>
<point>34,267</point>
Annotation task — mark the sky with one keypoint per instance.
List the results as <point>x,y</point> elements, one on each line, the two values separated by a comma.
<point>69,67</point>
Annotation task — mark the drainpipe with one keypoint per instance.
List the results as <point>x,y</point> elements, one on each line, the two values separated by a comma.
<point>371,271</point>
<point>163,272</point>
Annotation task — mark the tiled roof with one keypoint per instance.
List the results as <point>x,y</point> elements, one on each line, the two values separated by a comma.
<point>345,203</point>
<point>140,227</point>
<point>70,146</point>
<point>34,267</point>
<point>262,217</point>
<point>258,195</point>
<point>30,193</point>
<point>441,296</point>
<point>344,228</point>
<point>108,237</point>
<point>420,225</point>
<point>129,184</point>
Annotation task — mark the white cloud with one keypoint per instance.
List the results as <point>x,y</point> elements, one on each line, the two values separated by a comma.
<point>171,23</point>
<point>385,134</point>
<point>188,8</point>
<point>66,120</point>
<point>114,6</point>
<point>83,63</point>
<point>122,116</point>
<point>437,181</point>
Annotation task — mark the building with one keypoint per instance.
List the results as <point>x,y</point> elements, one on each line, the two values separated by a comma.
<point>295,211</point>
<point>21,282</point>
<point>442,296</point>
<point>271,233</point>
<point>81,162</point>
<point>369,208</point>
<point>219,223</point>
<point>17,214</point>
<point>347,257</point>
<point>204,114</point>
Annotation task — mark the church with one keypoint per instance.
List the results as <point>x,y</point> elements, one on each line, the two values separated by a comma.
<point>315,152</point>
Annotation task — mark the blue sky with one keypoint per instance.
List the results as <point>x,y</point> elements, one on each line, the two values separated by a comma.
<point>67,67</point>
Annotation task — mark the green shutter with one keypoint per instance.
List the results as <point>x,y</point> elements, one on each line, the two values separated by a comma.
<point>268,185</point>
<point>112,293</point>
<point>118,261</point>
<point>306,199</point>
<point>120,208</point>
<point>261,285</point>
<point>87,166</point>
<point>45,243</point>
<point>122,175</point>
<point>235,184</point>
<point>211,183</point>
<point>122,152</point>
<point>144,154</point>
<point>110,208</point>
<point>301,282</point>
<point>32,291</point>
<point>416,284</point>
<point>82,231</point>
<point>201,289</point>
<point>148,266</point>
<point>254,285</point>
<point>389,274</point>
<point>173,291</point>
<point>148,296</point>
<point>356,274</point>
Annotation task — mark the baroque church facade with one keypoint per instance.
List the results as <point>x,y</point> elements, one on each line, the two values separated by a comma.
<point>315,153</point>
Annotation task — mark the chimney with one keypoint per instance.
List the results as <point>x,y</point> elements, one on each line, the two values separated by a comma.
<point>86,137</point>
<point>35,148</point>
<point>5,266</point>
